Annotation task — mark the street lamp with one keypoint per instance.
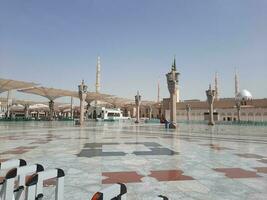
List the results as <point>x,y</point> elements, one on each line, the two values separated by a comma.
<point>188,109</point>
<point>210,98</point>
<point>137,104</point>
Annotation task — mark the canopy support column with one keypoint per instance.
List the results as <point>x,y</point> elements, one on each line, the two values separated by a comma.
<point>51,110</point>
<point>71,107</point>
<point>9,103</point>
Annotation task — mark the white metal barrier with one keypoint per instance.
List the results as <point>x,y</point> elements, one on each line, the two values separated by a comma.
<point>161,197</point>
<point>34,186</point>
<point>114,192</point>
<point>18,174</point>
<point>7,165</point>
<point>10,164</point>
<point>117,192</point>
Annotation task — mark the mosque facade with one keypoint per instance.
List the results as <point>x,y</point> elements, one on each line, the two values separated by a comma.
<point>225,108</point>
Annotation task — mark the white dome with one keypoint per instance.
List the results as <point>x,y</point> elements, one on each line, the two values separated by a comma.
<point>244,95</point>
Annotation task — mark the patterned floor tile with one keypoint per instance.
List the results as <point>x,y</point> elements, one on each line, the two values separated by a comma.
<point>151,159</point>
<point>216,147</point>
<point>249,155</point>
<point>237,173</point>
<point>261,169</point>
<point>169,175</point>
<point>263,161</point>
<point>89,153</point>
<point>122,177</point>
<point>156,151</point>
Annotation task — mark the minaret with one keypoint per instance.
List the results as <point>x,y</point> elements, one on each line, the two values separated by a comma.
<point>236,83</point>
<point>97,84</point>
<point>178,89</point>
<point>158,93</point>
<point>216,87</point>
<point>172,81</point>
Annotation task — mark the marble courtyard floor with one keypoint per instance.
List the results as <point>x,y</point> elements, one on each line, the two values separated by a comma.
<point>192,162</point>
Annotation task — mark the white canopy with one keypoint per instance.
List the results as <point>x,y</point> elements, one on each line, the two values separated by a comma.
<point>8,84</point>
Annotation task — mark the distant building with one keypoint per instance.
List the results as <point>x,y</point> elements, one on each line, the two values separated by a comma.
<point>225,108</point>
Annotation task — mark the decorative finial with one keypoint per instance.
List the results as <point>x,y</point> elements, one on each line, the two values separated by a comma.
<point>236,82</point>
<point>158,100</point>
<point>216,86</point>
<point>210,87</point>
<point>174,64</point>
<point>97,83</point>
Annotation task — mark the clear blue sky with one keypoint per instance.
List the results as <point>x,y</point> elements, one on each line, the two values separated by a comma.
<point>56,42</point>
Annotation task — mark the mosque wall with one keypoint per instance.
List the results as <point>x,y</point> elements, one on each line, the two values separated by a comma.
<point>255,110</point>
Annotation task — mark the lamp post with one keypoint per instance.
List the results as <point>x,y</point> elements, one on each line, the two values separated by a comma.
<point>239,102</point>
<point>137,104</point>
<point>150,111</point>
<point>82,95</point>
<point>210,98</point>
<point>188,109</point>
<point>238,108</point>
<point>71,107</point>
<point>26,111</point>
<point>172,81</point>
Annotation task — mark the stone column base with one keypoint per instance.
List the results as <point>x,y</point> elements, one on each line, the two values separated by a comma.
<point>172,125</point>
<point>211,123</point>
<point>78,123</point>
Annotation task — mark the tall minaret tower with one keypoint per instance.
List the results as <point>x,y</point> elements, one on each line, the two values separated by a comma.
<point>236,83</point>
<point>178,89</point>
<point>97,84</point>
<point>216,87</point>
<point>158,93</point>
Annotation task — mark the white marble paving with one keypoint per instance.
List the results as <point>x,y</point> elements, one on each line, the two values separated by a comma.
<point>84,175</point>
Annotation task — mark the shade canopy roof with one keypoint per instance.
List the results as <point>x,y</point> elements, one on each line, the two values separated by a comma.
<point>53,93</point>
<point>118,101</point>
<point>92,96</point>
<point>39,107</point>
<point>149,103</point>
<point>26,102</point>
<point>144,103</point>
<point>50,93</point>
<point>8,84</point>
<point>17,107</point>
